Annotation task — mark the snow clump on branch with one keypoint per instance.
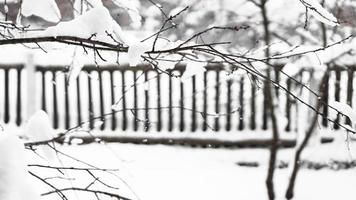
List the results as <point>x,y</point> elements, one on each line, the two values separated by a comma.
<point>96,24</point>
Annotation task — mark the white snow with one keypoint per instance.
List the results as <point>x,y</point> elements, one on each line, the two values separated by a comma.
<point>192,69</point>
<point>39,128</point>
<point>137,49</point>
<point>291,69</point>
<point>9,1</point>
<point>159,172</point>
<point>82,26</point>
<point>76,65</point>
<point>135,52</point>
<point>46,9</point>
<point>320,13</point>
<point>345,109</point>
<point>176,10</point>
<point>14,183</point>
<point>132,9</point>
<point>193,18</point>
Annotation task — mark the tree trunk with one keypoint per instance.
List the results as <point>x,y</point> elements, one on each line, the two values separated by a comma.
<point>308,134</point>
<point>270,106</point>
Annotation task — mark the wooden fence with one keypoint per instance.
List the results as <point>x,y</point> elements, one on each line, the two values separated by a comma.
<point>146,100</point>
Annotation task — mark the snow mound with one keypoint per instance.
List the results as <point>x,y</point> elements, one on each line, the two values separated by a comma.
<point>13,171</point>
<point>39,128</point>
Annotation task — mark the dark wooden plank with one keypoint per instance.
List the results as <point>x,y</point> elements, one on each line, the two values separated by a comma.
<point>242,107</point>
<point>55,101</point>
<point>90,103</point>
<point>66,103</point>
<point>326,100</point>
<point>135,111</point>
<point>19,98</point>
<point>112,91</point>
<point>7,97</point>
<point>350,78</point>
<point>79,103</point>
<point>123,93</point>
<point>228,106</point>
<point>101,99</point>
<point>194,104</point>
<point>277,70</point>
<point>44,102</point>
<point>170,99</point>
<point>194,142</point>
<point>11,66</point>
<point>147,111</point>
<point>159,110</point>
<point>253,104</point>
<point>265,107</point>
<point>337,95</point>
<point>181,107</point>
<point>205,103</point>
<point>217,100</point>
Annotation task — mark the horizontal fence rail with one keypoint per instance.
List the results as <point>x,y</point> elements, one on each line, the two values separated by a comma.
<point>143,99</point>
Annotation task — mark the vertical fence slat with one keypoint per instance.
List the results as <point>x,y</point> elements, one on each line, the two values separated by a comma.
<point>159,110</point>
<point>337,95</point>
<point>66,103</point>
<point>170,111</point>
<point>253,105</point>
<point>241,101</point>
<point>205,103</point>
<point>112,91</point>
<point>123,93</point>
<point>147,116</point>
<point>135,122</point>
<point>101,99</point>
<point>277,70</point>
<point>181,106</point>
<point>217,100</point>
<point>90,103</point>
<point>228,106</point>
<point>79,110</point>
<point>44,102</point>
<point>55,102</point>
<point>326,101</point>
<point>350,79</point>
<point>19,97</point>
<point>265,107</point>
<point>194,120</point>
<point>6,96</point>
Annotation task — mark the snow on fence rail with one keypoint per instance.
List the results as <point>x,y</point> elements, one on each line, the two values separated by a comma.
<point>150,101</point>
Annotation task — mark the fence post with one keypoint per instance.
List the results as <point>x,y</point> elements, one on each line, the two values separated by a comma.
<point>31,90</point>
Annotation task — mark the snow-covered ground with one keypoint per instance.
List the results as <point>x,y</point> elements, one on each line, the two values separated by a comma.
<point>159,172</point>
